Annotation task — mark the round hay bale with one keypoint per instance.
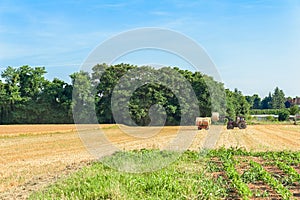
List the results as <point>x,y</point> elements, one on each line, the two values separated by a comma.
<point>215,116</point>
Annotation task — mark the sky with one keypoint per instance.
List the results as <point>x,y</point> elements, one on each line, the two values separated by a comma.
<point>255,45</point>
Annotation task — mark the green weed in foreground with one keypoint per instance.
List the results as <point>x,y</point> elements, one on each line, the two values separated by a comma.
<point>183,179</point>
<point>213,174</point>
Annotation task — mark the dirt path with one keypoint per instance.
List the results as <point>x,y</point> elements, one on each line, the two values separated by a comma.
<point>31,156</point>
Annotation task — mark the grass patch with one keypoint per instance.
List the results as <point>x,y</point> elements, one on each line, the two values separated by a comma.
<point>213,174</point>
<point>184,179</point>
<point>110,127</point>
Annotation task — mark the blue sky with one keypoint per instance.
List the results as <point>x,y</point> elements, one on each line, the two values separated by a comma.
<point>254,44</point>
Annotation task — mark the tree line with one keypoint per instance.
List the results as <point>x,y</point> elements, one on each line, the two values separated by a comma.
<point>27,97</point>
<point>274,104</point>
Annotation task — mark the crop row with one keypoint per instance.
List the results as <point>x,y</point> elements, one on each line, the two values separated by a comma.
<point>210,174</point>
<point>251,172</point>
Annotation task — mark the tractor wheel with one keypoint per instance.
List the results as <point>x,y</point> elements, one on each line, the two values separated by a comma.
<point>242,125</point>
<point>207,128</point>
<point>199,128</point>
<point>230,126</point>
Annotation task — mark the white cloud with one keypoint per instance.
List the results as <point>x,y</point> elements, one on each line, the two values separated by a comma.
<point>102,5</point>
<point>160,13</point>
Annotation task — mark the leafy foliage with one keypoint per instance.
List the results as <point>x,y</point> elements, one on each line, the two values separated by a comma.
<point>234,176</point>
<point>263,175</point>
<point>236,104</point>
<point>208,174</point>
<point>172,182</point>
<point>278,99</point>
<point>283,115</point>
<point>294,110</point>
<point>27,97</point>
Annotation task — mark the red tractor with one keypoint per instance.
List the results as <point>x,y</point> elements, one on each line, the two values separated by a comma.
<point>239,122</point>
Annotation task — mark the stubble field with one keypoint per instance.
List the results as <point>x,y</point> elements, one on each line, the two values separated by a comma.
<point>32,156</point>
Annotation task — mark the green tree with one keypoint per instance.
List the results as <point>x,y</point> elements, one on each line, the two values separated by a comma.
<point>56,98</point>
<point>104,79</point>
<point>287,103</point>
<point>31,84</point>
<point>294,110</point>
<point>217,95</point>
<point>283,115</point>
<point>278,99</point>
<point>236,104</point>
<point>250,100</point>
<point>27,97</point>
<point>242,106</point>
<point>199,84</point>
<point>3,102</point>
<point>31,81</point>
<point>256,102</point>
<point>230,107</point>
<point>266,103</point>
<point>13,95</point>
<point>83,98</point>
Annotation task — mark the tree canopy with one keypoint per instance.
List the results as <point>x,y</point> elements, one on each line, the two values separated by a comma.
<point>26,96</point>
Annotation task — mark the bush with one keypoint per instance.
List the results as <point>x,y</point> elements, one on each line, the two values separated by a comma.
<point>265,111</point>
<point>294,110</point>
<point>254,118</point>
<point>283,115</point>
<point>270,118</point>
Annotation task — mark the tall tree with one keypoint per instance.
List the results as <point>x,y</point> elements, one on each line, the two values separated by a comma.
<point>13,95</point>
<point>31,81</point>
<point>256,102</point>
<point>288,101</point>
<point>27,97</point>
<point>56,98</point>
<point>104,79</point>
<point>3,102</point>
<point>83,98</point>
<point>230,107</point>
<point>236,104</point>
<point>250,100</point>
<point>294,109</point>
<point>278,99</point>
<point>266,103</point>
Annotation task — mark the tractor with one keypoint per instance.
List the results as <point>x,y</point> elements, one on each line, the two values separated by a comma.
<point>239,122</point>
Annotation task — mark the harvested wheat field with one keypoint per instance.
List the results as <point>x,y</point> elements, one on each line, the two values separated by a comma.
<point>32,156</point>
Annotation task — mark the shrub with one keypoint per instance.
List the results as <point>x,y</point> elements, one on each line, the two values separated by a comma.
<point>283,115</point>
<point>270,118</point>
<point>265,111</point>
<point>294,110</point>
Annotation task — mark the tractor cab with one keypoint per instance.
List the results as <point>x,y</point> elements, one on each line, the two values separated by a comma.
<point>239,122</point>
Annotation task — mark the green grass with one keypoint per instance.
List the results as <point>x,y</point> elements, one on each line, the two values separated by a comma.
<point>182,179</point>
<point>268,122</point>
<point>210,174</point>
<point>110,127</point>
